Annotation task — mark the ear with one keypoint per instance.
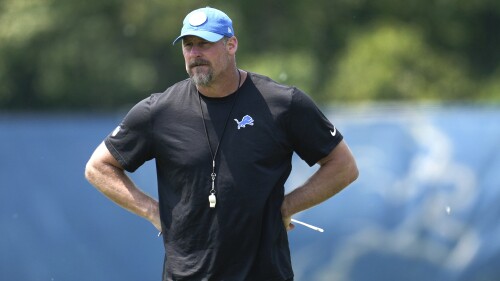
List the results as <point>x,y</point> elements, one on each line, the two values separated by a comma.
<point>232,45</point>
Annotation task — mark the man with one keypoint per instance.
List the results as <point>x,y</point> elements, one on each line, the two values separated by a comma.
<point>223,142</point>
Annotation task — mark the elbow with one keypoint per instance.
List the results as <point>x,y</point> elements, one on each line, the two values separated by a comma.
<point>100,166</point>
<point>354,173</point>
<point>351,168</point>
<point>351,173</point>
<point>89,171</point>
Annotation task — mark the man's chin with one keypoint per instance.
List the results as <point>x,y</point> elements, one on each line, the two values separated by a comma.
<point>201,79</point>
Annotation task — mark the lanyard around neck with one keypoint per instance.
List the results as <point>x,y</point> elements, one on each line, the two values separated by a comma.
<point>213,175</point>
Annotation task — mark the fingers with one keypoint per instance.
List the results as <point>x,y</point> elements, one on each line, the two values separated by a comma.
<point>287,222</point>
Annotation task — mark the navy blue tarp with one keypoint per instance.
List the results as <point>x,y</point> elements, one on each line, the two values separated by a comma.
<point>424,208</point>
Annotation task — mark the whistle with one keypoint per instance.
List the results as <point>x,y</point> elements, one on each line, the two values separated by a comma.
<point>212,200</point>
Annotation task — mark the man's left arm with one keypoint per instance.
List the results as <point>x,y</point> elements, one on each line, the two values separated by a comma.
<point>337,170</point>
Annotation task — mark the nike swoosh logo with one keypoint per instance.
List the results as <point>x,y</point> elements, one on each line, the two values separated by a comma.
<point>334,132</point>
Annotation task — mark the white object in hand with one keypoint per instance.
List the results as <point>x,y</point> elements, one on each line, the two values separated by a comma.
<point>308,225</point>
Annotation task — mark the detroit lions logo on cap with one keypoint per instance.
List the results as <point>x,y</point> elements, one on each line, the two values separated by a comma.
<point>246,120</point>
<point>197,18</point>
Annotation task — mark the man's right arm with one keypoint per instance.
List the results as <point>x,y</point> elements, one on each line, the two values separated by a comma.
<point>106,174</point>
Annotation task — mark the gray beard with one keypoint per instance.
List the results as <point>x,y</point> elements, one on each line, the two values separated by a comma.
<point>202,79</point>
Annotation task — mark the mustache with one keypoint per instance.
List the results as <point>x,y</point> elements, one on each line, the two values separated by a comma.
<point>198,62</point>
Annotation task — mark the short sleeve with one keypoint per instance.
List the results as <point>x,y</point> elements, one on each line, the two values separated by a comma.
<point>131,142</point>
<point>313,136</point>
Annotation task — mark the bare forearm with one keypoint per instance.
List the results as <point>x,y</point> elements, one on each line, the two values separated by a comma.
<point>337,171</point>
<point>118,187</point>
<point>316,190</point>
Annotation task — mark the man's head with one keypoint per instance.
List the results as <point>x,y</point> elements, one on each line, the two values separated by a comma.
<point>208,45</point>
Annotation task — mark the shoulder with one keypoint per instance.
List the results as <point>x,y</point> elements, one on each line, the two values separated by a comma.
<point>171,97</point>
<point>267,84</point>
<point>147,108</point>
<point>177,90</point>
<point>184,85</point>
<point>276,92</point>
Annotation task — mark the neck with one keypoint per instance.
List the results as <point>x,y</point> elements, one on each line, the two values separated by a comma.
<point>224,85</point>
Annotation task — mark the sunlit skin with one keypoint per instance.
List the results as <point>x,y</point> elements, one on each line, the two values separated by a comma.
<point>212,65</point>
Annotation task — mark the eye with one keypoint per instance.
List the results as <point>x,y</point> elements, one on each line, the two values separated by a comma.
<point>187,45</point>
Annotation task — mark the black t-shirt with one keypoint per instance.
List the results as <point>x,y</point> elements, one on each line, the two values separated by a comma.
<point>243,237</point>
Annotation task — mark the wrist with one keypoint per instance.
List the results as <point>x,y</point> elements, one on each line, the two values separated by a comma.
<point>153,215</point>
<point>152,210</point>
<point>285,208</point>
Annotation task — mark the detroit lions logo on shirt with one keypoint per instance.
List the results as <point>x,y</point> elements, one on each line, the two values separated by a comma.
<point>246,120</point>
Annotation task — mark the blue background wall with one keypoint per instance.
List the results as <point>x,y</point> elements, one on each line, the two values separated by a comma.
<point>424,208</point>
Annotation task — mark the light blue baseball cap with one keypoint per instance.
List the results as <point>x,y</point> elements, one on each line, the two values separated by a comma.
<point>207,23</point>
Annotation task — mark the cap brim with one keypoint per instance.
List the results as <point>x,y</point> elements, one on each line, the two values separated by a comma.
<point>207,35</point>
